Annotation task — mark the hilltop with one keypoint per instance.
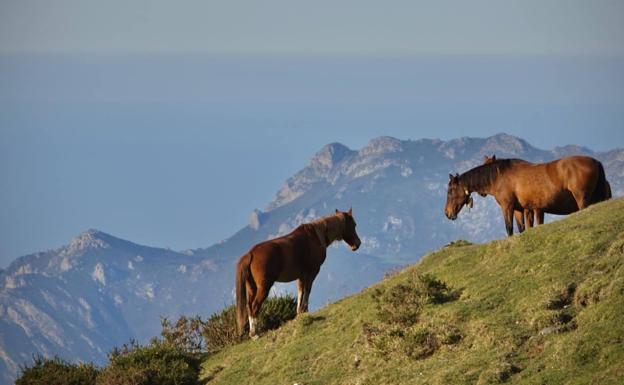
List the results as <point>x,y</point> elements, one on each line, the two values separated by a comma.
<point>541,307</point>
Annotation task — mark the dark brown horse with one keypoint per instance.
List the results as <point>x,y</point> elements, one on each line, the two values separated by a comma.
<point>559,187</point>
<point>298,255</point>
<point>524,218</point>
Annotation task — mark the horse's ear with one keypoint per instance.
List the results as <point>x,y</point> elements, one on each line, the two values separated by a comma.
<point>337,212</point>
<point>493,157</point>
<point>350,211</point>
<point>451,177</point>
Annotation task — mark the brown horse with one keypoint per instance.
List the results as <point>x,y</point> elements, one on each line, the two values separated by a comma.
<point>298,255</point>
<point>524,218</point>
<point>559,187</point>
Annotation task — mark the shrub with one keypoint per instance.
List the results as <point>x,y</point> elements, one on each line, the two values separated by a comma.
<point>398,311</point>
<point>433,290</point>
<point>186,333</point>
<point>399,305</point>
<point>220,331</point>
<point>276,311</point>
<point>56,371</point>
<point>158,363</point>
<point>458,243</point>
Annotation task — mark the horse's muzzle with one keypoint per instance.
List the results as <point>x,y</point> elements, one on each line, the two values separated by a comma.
<point>356,245</point>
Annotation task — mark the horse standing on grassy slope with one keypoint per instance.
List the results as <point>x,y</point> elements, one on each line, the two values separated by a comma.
<point>524,218</point>
<point>559,187</point>
<point>298,255</point>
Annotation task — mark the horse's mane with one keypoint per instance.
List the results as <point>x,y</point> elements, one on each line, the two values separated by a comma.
<point>484,175</point>
<point>328,228</point>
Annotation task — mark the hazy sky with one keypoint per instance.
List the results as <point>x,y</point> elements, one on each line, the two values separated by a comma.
<point>309,27</point>
<point>166,123</point>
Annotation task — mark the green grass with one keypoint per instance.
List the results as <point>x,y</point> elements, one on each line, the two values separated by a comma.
<point>542,307</point>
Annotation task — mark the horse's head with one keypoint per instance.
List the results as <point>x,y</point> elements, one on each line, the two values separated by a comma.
<point>457,197</point>
<point>349,235</point>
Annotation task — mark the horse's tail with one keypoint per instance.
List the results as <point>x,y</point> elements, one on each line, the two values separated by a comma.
<point>242,275</point>
<point>602,192</point>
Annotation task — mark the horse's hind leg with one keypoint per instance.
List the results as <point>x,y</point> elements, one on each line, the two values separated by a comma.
<point>581,199</point>
<point>251,296</point>
<point>539,217</point>
<point>262,292</point>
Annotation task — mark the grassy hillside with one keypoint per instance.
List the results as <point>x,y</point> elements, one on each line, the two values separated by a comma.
<point>543,307</point>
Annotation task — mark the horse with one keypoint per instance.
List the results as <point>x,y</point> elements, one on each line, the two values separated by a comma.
<point>524,218</point>
<point>560,187</point>
<point>294,256</point>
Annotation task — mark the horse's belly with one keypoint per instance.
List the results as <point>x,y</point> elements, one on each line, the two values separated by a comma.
<point>289,275</point>
<point>563,204</point>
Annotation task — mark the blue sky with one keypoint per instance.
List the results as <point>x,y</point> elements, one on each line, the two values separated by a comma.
<point>167,123</point>
<point>314,27</point>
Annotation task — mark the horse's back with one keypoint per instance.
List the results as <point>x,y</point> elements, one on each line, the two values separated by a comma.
<point>286,258</point>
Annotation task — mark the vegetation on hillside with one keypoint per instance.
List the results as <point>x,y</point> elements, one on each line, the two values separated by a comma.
<point>542,307</point>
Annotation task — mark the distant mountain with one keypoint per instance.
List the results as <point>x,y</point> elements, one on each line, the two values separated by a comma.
<point>398,189</point>
<point>99,291</point>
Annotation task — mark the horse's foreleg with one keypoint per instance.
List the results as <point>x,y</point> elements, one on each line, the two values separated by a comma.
<point>508,216</point>
<point>300,291</point>
<point>307,288</point>
<point>519,215</point>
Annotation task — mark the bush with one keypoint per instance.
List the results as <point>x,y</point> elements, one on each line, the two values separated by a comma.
<point>186,333</point>
<point>458,243</point>
<point>398,310</point>
<point>276,311</point>
<point>220,331</point>
<point>158,363</point>
<point>400,305</point>
<point>56,371</point>
<point>433,290</point>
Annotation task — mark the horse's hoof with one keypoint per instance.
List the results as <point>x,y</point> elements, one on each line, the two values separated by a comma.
<point>254,337</point>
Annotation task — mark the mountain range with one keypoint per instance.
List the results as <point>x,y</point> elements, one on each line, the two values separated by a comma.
<point>99,291</point>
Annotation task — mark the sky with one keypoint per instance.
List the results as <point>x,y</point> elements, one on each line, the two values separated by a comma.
<point>314,27</point>
<point>167,123</point>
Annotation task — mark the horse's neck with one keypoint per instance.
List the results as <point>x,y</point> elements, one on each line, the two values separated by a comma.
<point>328,230</point>
<point>478,185</point>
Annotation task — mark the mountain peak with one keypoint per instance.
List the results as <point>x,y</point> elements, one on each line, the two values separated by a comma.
<point>329,155</point>
<point>382,144</point>
<point>89,239</point>
<point>506,145</point>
